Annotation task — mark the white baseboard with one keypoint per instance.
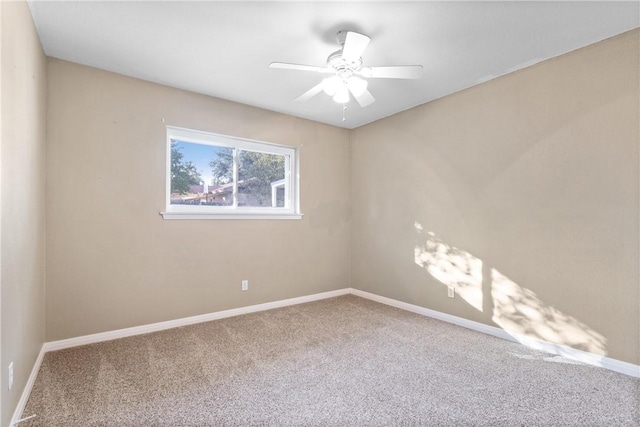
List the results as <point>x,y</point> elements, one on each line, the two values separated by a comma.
<point>17,414</point>
<point>557,349</point>
<point>470,324</point>
<point>185,321</point>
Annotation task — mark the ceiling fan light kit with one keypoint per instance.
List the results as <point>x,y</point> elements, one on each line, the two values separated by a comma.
<point>337,87</point>
<point>346,66</point>
<point>330,85</point>
<point>342,94</point>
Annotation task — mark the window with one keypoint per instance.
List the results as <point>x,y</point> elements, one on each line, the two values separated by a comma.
<point>212,176</point>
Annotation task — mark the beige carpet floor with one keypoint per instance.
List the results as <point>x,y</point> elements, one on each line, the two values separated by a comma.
<point>345,361</point>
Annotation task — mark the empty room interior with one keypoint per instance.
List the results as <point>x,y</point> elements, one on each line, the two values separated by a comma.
<point>320,213</point>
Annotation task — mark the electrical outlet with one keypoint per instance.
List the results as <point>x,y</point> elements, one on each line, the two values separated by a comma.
<point>10,375</point>
<point>451,292</point>
<point>245,285</point>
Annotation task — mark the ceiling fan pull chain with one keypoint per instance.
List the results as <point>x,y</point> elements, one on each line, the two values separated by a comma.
<point>344,110</point>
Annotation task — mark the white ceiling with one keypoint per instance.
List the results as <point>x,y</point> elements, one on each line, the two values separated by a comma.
<point>224,49</point>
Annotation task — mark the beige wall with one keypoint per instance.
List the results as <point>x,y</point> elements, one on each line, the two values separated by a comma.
<point>22,151</point>
<point>522,192</point>
<point>113,262</point>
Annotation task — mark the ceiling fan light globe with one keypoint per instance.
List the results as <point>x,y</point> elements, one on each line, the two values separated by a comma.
<point>330,85</point>
<point>342,94</point>
<point>357,86</point>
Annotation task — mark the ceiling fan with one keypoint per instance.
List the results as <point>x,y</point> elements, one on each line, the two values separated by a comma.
<point>348,74</point>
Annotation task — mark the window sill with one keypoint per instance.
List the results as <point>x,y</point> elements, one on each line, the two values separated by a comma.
<point>218,216</point>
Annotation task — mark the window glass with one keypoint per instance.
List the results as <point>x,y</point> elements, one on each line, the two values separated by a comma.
<point>260,176</point>
<point>222,175</point>
<point>192,177</point>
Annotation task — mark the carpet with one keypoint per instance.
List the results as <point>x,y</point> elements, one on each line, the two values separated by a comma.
<point>344,361</point>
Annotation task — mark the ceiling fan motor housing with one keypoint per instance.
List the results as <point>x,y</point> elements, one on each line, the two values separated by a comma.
<point>338,63</point>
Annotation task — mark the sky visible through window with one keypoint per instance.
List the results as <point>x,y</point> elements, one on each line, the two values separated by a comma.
<point>200,155</point>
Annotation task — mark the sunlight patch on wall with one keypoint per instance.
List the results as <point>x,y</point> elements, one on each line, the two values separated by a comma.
<point>516,309</point>
<point>451,267</point>
<point>519,310</point>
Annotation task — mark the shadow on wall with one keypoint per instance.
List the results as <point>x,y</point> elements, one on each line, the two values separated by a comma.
<point>516,309</point>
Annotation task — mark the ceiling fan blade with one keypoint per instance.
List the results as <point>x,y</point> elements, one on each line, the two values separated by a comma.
<point>299,67</point>
<point>310,93</point>
<point>392,72</point>
<point>364,99</point>
<point>354,46</point>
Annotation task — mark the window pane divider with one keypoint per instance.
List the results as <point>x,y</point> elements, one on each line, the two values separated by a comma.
<point>235,178</point>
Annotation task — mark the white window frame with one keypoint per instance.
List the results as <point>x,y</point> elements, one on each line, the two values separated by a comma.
<point>291,210</point>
